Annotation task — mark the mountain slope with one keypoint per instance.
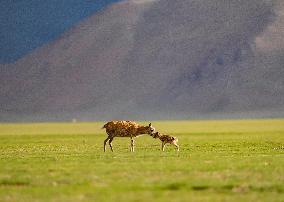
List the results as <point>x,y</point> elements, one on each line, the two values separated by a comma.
<point>154,59</point>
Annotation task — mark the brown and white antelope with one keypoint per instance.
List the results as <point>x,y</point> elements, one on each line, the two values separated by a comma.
<point>166,139</point>
<point>125,129</point>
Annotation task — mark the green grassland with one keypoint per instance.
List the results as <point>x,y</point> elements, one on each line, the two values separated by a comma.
<point>219,161</point>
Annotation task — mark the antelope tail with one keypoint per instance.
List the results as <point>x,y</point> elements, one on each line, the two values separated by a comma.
<point>106,125</point>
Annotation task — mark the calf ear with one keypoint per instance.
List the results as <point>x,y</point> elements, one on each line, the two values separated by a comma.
<point>150,124</point>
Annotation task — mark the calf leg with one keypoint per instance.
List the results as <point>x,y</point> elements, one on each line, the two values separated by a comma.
<point>105,143</point>
<point>163,146</point>
<point>174,143</point>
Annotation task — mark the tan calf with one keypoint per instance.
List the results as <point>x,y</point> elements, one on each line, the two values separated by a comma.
<point>125,129</point>
<point>166,139</point>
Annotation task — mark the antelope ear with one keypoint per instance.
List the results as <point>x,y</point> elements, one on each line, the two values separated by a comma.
<point>150,124</point>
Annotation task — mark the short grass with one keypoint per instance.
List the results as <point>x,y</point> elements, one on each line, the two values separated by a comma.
<point>219,161</point>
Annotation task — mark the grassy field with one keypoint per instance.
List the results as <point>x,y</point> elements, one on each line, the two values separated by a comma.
<point>219,161</point>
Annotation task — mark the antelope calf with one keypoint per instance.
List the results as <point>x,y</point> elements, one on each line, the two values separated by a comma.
<point>125,129</point>
<point>166,139</point>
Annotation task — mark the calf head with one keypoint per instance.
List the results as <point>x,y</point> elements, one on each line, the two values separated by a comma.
<point>155,135</point>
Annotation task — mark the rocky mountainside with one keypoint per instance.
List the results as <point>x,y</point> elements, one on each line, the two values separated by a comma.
<point>150,59</point>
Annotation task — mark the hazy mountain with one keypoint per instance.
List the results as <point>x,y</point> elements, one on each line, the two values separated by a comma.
<point>147,59</point>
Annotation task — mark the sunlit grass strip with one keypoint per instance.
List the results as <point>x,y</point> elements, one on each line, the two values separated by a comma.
<point>216,126</point>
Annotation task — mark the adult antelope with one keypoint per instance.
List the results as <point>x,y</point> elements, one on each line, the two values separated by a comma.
<point>125,129</point>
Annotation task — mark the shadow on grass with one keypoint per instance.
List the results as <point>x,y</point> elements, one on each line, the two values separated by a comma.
<point>175,186</point>
<point>223,188</point>
<point>200,188</point>
<point>13,183</point>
